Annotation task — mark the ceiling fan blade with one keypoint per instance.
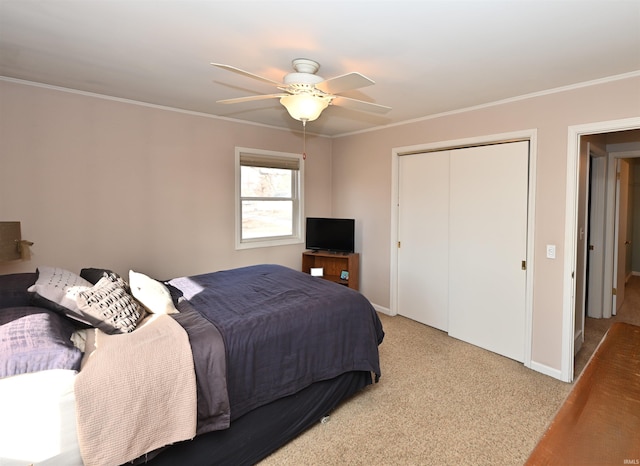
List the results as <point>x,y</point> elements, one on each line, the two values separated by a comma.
<point>246,73</point>
<point>345,82</point>
<point>360,105</point>
<point>250,98</point>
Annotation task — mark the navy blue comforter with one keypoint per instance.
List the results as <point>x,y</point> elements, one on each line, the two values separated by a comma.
<point>283,330</point>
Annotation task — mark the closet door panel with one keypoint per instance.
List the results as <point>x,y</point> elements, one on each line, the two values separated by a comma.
<point>423,231</point>
<point>487,244</point>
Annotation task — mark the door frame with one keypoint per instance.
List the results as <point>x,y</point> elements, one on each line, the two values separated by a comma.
<point>616,235</point>
<point>612,226</point>
<point>571,230</point>
<point>596,223</point>
<point>530,135</point>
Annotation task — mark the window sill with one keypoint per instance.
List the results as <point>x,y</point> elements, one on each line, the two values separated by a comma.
<point>266,243</point>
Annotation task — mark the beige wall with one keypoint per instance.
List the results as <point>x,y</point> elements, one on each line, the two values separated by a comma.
<point>362,186</point>
<point>112,184</point>
<point>104,183</point>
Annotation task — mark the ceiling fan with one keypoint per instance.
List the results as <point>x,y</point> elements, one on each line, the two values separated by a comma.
<point>305,94</point>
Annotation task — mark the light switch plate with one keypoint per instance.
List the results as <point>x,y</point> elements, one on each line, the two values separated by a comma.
<point>551,251</point>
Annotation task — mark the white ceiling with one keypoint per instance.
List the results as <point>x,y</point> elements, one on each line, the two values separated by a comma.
<point>427,57</point>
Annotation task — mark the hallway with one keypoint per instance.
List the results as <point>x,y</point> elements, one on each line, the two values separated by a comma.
<point>595,329</point>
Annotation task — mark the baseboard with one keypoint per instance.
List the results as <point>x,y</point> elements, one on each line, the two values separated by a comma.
<point>384,310</point>
<point>542,368</point>
<point>546,370</point>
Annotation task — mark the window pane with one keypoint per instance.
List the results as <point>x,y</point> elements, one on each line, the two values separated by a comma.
<point>266,219</point>
<point>265,182</point>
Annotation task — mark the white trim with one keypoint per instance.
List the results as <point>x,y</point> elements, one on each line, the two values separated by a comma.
<point>570,259</point>
<point>571,232</point>
<point>393,272</point>
<point>533,174</point>
<point>611,226</point>
<point>382,309</point>
<point>596,218</point>
<point>546,370</point>
<point>298,237</point>
<point>532,95</point>
<point>532,136</point>
<point>611,247</point>
<point>149,105</point>
<point>628,154</point>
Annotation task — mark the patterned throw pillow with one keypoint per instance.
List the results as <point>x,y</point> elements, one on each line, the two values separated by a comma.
<point>109,306</point>
<point>59,286</point>
<point>57,289</point>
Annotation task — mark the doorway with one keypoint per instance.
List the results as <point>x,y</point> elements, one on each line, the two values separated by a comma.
<point>619,135</point>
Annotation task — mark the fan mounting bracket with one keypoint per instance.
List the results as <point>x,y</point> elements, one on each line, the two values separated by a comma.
<point>304,65</point>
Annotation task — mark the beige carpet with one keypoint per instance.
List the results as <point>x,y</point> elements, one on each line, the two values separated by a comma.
<point>440,401</point>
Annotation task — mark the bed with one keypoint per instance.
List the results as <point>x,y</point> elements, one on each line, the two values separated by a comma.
<point>219,368</point>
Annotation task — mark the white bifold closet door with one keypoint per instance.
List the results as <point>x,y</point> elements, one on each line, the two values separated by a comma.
<point>423,227</point>
<point>463,232</point>
<point>487,246</point>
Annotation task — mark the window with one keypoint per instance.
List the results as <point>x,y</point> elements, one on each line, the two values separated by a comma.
<point>269,198</point>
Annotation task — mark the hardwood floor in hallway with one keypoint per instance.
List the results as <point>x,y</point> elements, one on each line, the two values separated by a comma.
<point>594,329</point>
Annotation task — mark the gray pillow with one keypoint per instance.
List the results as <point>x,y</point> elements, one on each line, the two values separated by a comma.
<point>93,274</point>
<point>13,289</point>
<point>34,339</point>
<point>109,307</point>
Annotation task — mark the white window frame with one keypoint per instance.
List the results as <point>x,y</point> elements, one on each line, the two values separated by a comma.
<point>298,202</point>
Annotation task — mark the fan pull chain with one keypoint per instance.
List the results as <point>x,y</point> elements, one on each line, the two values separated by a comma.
<point>304,140</point>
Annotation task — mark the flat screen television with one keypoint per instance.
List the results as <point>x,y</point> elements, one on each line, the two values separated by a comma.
<point>330,234</point>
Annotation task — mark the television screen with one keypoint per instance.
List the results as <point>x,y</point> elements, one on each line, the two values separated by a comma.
<point>330,234</point>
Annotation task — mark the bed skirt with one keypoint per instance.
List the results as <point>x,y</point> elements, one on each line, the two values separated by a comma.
<point>262,431</point>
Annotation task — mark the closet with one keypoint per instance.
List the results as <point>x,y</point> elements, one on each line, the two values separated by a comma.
<point>462,229</point>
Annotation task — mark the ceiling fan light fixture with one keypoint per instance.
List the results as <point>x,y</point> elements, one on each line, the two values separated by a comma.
<point>304,107</point>
<point>305,94</point>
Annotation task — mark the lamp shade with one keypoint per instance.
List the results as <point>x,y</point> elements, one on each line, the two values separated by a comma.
<point>304,107</point>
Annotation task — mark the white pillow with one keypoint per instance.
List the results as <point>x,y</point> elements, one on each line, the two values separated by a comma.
<point>60,286</point>
<point>151,293</point>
